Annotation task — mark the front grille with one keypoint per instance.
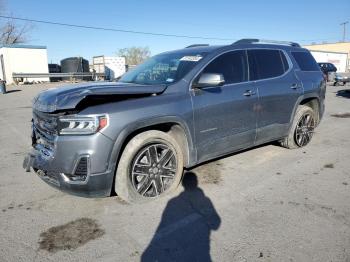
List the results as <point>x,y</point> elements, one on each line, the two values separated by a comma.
<point>44,130</point>
<point>45,123</point>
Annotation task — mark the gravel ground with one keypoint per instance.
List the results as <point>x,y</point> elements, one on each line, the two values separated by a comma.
<point>264,204</point>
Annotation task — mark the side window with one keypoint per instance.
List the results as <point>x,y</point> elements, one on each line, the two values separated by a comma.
<point>284,61</point>
<point>305,61</point>
<point>266,63</point>
<point>231,65</point>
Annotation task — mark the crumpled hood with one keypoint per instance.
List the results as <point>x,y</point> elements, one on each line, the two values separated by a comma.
<point>68,97</point>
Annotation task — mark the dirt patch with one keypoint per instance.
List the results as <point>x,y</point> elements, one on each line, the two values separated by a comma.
<point>121,201</point>
<point>328,166</point>
<point>71,235</point>
<point>209,173</point>
<point>293,203</point>
<point>341,115</point>
<point>18,153</point>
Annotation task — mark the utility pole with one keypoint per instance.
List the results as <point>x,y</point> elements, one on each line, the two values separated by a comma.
<point>344,29</point>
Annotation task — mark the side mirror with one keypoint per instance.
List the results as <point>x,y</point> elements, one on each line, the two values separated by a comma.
<point>209,80</point>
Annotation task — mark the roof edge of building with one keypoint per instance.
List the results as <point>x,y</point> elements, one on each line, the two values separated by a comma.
<point>336,43</point>
<point>23,46</point>
<point>323,51</point>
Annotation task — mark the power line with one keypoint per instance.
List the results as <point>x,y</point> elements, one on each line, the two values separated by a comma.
<point>115,29</point>
<point>136,32</point>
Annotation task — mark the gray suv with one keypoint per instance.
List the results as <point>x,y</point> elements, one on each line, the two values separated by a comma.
<point>134,137</point>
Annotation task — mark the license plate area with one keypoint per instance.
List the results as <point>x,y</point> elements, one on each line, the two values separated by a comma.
<point>49,176</point>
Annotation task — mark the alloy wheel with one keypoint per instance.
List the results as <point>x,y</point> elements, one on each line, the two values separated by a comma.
<point>153,169</point>
<point>304,130</point>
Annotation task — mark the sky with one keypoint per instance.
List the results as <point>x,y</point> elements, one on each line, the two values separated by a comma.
<point>303,21</point>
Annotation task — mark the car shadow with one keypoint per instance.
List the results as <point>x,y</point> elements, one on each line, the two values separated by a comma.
<point>344,93</point>
<point>183,233</point>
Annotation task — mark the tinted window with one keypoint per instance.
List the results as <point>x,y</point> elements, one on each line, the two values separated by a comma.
<point>305,61</point>
<point>331,67</point>
<point>284,61</point>
<point>266,63</point>
<point>231,65</point>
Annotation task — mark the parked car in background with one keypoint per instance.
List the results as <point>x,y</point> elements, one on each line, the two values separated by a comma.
<point>327,68</point>
<point>341,78</point>
<point>176,110</point>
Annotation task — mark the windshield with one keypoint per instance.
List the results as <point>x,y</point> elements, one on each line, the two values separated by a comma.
<point>163,68</point>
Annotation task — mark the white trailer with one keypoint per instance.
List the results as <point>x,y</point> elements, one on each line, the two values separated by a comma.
<point>338,59</point>
<point>22,59</point>
<point>110,66</point>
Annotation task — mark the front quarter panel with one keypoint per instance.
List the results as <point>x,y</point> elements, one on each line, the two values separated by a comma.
<point>125,117</point>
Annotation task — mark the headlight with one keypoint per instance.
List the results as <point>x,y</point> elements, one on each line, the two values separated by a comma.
<point>81,125</point>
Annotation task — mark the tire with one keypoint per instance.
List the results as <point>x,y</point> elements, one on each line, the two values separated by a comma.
<point>298,130</point>
<point>141,177</point>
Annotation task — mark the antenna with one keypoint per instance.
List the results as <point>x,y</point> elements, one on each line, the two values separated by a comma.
<point>344,29</point>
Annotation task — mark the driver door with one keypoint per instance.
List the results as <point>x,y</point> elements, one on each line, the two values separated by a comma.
<point>224,116</point>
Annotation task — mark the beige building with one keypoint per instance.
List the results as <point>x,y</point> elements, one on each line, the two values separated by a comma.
<point>340,47</point>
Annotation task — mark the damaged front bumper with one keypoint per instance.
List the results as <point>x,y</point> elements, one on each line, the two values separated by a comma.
<point>74,164</point>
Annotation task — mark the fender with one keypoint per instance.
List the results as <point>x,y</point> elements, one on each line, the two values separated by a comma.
<point>132,127</point>
<point>300,99</point>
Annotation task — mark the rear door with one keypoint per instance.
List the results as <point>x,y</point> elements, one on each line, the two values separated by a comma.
<point>224,117</point>
<point>279,90</point>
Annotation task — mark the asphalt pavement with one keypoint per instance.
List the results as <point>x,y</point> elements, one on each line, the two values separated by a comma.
<point>263,204</point>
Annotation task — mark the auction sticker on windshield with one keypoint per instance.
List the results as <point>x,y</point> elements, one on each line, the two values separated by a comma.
<point>191,58</point>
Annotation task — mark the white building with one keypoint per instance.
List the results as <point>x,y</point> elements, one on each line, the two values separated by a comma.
<point>336,58</point>
<point>22,59</point>
<point>340,47</point>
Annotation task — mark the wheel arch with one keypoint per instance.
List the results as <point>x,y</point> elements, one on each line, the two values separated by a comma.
<point>173,125</point>
<point>314,104</point>
<point>311,101</point>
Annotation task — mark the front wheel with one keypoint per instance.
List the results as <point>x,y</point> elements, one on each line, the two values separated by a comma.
<point>151,166</point>
<point>302,128</point>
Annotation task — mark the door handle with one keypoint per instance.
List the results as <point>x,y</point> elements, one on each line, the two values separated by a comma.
<point>295,86</point>
<point>249,93</point>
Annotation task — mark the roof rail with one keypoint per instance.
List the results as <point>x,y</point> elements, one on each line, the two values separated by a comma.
<point>196,45</point>
<point>252,40</point>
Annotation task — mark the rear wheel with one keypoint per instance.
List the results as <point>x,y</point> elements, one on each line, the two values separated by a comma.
<point>302,129</point>
<point>151,166</point>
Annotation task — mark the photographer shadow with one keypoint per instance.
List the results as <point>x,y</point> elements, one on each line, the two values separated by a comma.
<point>184,231</point>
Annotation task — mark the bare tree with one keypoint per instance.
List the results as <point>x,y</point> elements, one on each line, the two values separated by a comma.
<point>134,55</point>
<point>11,32</point>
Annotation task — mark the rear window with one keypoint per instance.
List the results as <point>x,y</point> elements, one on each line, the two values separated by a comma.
<point>305,61</point>
<point>266,63</point>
